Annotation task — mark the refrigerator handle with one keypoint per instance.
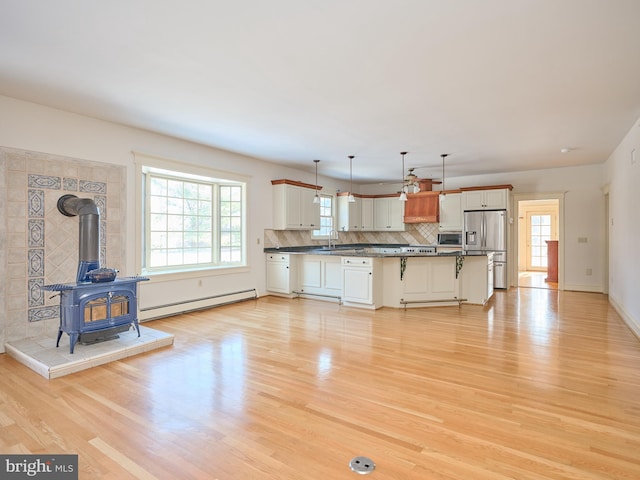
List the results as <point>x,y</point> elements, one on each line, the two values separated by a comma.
<point>483,232</point>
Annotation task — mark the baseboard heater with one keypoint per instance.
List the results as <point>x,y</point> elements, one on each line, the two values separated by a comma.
<point>307,294</point>
<point>191,305</point>
<point>444,300</point>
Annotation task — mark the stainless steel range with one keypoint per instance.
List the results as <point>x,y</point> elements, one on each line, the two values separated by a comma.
<point>99,305</point>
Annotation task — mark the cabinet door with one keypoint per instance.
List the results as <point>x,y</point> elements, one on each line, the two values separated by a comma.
<point>451,218</point>
<point>309,273</point>
<point>367,213</point>
<point>358,284</point>
<point>332,276</point>
<point>496,199</point>
<point>349,214</point>
<point>473,200</point>
<point>309,211</point>
<point>380,213</point>
<point>396,214</point>
<point>278,277</point>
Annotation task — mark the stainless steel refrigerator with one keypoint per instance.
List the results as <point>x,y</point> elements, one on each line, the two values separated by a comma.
<point>486,231</point>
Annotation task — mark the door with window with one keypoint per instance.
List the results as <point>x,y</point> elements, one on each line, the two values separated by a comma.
<point>541,226</point>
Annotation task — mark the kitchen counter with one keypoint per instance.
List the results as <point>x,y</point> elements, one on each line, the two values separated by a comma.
<point>374,276</point>
<point>374,251</point>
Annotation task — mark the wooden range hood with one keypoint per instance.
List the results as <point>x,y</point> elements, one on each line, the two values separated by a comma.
<point>424,206</point>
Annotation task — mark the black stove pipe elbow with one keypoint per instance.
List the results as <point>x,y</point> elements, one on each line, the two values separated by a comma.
<point>89,232</point>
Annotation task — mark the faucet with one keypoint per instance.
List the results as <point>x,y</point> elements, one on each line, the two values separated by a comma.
<point>331,238</point>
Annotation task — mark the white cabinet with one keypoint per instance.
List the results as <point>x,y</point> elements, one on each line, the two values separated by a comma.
<point>429,279</point>
<point>281,273</point>
<point>355,216</point>
<point>320,275</point>
<point>492,199</point>
<point>362,282</point>
<point>451,217</point>
<point>293,207</point>
<point>388,214</point>
<point>476,279</point>
<point>367,213</point>
<point>349,214</point>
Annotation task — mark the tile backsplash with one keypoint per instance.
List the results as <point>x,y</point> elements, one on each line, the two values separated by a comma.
<point>40,245</point>
<point>418,233</point>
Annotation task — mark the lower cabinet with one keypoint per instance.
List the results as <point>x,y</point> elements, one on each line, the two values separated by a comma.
<point>477,279</point>
<point>429,279</point>
<point>320,275</point>
<point>281,273</point>
<point>362,282</point>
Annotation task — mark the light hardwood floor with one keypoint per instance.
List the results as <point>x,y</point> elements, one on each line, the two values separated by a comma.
<point>538,384</point>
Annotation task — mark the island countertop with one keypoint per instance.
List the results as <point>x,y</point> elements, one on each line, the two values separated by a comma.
<point>374,250</point>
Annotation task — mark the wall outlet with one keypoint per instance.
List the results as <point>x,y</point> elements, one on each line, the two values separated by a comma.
<point>582,239</point>
<point>589,272</point>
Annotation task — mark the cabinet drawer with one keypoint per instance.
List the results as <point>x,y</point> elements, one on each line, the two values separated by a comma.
<point>357,262</point>
<point>278,257</point>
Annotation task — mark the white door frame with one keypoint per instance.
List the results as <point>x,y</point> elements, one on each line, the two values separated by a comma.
<point>519,197</point>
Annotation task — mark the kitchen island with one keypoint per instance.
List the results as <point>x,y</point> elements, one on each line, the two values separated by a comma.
<point>374,276</point>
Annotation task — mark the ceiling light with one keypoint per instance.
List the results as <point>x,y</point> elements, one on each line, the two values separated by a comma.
<point>351,197</point>
<point>316,197</point>
<point>565,150</point>
<point>403,194</point>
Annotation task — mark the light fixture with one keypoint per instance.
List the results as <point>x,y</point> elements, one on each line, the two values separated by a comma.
<point>351,197</point>
<point>412,181</point>
<point>403,194</point>
<point>565,150</point>
<point>443,155</point>
<point>316,197</point>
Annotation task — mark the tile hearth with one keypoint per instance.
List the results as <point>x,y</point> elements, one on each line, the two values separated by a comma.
<point>42,356</point>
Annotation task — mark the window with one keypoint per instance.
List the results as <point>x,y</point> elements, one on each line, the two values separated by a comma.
<point>540,228</point>
<point>191,221</point>
<point>326,216</point>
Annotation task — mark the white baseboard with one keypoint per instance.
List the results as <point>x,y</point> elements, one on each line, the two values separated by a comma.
<point>160,311</point>
<point>632,323</point>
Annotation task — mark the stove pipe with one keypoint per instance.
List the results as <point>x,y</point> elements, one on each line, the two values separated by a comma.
<point>89,232</point>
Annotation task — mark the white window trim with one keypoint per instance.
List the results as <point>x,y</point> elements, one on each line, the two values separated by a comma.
<point>333,216</point>
<point>141,160</point>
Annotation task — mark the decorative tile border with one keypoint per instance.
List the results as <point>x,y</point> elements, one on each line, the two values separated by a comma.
<point>36,203</point>
<point>36,295</point>
<point>44,313</point>
<point>35,232</point>
<point>70,184</point>
<point>35,262</point>
<point>44,181</point>
<point>87,186</point>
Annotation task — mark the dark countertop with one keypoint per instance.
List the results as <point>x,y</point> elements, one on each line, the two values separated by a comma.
<point>369,250</point>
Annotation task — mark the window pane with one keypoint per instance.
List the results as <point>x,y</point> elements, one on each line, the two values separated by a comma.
<point>180,216</point>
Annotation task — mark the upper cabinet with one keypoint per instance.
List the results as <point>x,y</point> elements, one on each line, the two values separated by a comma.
<point>422,207</point>
<point>293,207</point>
<point>451,217</point>
<point>388,213</point>
<point>355,216</point>
<point>486,198</point>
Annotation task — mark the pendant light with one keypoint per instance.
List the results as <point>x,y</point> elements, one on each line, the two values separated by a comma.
<point>316,197</point>
<point>443,155</point>
<point>403,194</point>
<point>351,197</point>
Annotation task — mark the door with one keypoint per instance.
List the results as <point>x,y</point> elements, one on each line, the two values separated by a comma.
<point>539,230</point>
<point>473,228</point>
<point>495,231</point>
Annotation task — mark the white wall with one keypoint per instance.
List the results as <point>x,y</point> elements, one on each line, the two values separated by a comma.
<point>34,127</point>
<point>583,215</point>
<point>623,175</point>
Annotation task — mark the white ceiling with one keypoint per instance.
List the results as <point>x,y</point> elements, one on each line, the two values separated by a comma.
<point>501,85</point>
